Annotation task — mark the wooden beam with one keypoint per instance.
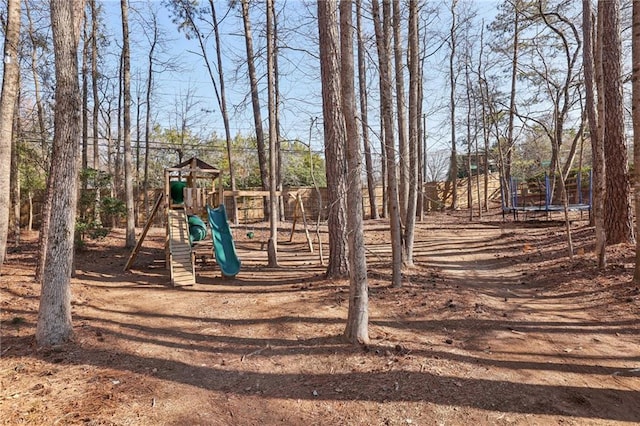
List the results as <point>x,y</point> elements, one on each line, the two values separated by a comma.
<point>147,225</point>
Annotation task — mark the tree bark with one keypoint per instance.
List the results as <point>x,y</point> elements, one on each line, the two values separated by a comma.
<point>15,178</point>
<point>272,244</point>
<point>128,161</point>
<point>383,42</point>
<point>597,146</point>
<point>403,141</point>
<point>7,111</point>
<point>153,43</point>
<point>635,111</point>
<point>334,138</point>
<point>453,170</point>
<point>364,116</point>
<point>357,330</point>
<point>54,315</point>
<point>96,105</point>
<point>414,133</point>
<point>618,220</point>
<point>255,99</point>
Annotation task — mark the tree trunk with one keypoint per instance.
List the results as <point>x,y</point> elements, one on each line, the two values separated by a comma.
<point>506,153</point>
<point>334,138</point>
<point>128,161</point>
<point>364,116</point>
<point>42,128</point>
<point>383,42</point>
<point>223,109</point>
<point>453,169</point>
<point>96,105</point>
<point>15,178</point>
<point>356,330</point>
<point>276,94</point>
<point>85,103</point>
<point>618,221</point>
<point>153,43</point>
<point>30,223</point>
<point>272,245</point>
<point>469,139</point>
<point>7,111</point>
<point>255,100</point>
<point>414,133</point>
<point>403,142</point>
<point>635,78</point>
<point>54,316</point>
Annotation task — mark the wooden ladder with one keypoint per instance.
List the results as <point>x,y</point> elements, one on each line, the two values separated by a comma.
<point>180,258</point>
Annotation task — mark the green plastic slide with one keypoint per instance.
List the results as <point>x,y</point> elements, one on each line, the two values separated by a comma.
<point>223,244</point>
<point>197,229</point>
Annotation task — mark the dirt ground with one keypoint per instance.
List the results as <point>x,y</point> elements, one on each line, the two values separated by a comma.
<point>495,325</point>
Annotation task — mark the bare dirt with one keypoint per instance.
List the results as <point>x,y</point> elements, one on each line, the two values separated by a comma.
<point>494,325</point>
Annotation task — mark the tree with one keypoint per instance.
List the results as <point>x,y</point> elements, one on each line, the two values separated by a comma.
<point>597,146</point>
<point>356,330</point>
<point>618,220</point>
<point>272,243</point>
<point>453,170</point>
<point>364,116</point>
<point>95,114</point>
<point>403,141</point>
<point>383,42</point>
<point>507,24</point>
<point>222,103</point>
<point>414,132</point>
<point>7,111</point>
<point>635,108</point>
<point>255,98</point>
<point>15,179</point>
<point>188,15</point>
<point>54,315</point>
<point>128,163</point>
<point>334,137</point>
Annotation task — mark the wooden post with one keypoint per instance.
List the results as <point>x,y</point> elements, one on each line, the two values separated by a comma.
<point>304,221</point>
<point>135,251</point>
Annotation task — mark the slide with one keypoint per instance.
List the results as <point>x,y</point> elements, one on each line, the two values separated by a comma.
<point>223,244</point>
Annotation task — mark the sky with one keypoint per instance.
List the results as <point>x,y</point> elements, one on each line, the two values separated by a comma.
<point>301,113</point>
<point>301,116</point>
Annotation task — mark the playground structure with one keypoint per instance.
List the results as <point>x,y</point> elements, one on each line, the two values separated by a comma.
<point>538,195</point>
<point>186,200</point>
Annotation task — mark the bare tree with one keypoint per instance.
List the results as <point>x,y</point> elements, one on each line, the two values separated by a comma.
<point>334,137</point>
<point>364,116</point>
<point>255,98</point>
<point>383,42</point>
<point>403,141</point>
<point>453,170</point>
<point>7,111</point>
<point>85,98</point>
<point>414,132</point>
<point>128,163</point>
<point>54,316</point>
<point>222,103</point>
<point>188,16</point>
<point>153,35</point>
<point>15,177</point>
<point>272,244</point>
<point>635,78</point>
<point>95,10</point>
<point>597,146</point>
<point>356,330</point>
